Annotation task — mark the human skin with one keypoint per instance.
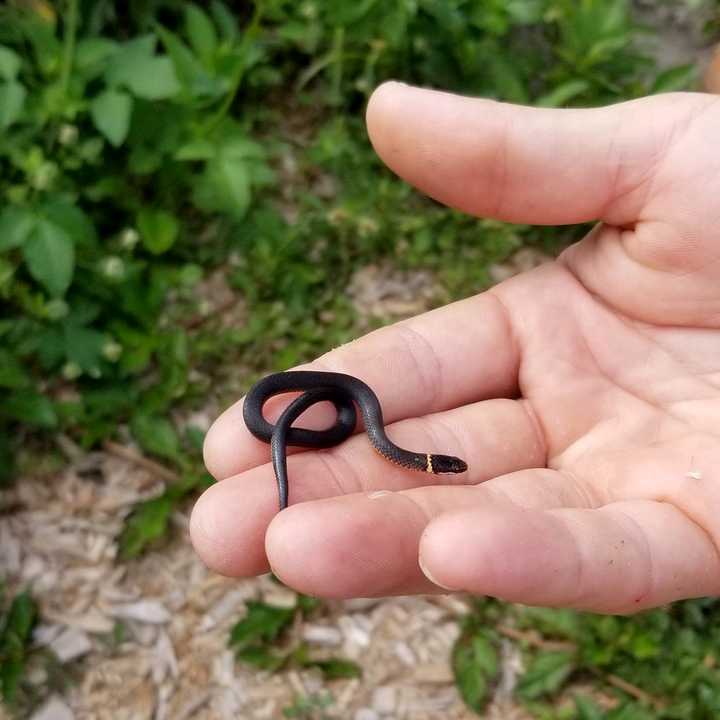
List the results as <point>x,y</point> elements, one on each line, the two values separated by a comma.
<point>584,395</point>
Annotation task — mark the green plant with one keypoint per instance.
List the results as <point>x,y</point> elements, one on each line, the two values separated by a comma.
<point>626,658</point>
<point>17,618</point>
<point>311,707</point>
<point>548,52</point>
<point>112,152</point>
<point>259,639</point>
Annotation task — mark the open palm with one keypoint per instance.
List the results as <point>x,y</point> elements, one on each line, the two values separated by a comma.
<point>584,395</point>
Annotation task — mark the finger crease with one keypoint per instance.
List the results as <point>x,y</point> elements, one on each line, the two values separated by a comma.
<point>432,382</point>
<point>343,478</point>
<point>648,586</point>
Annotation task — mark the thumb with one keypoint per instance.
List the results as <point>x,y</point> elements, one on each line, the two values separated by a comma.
<point>524,164</point>
<point>619,558</point>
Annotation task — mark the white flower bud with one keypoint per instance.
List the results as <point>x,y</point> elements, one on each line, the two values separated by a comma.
<point>129,238</point>
<point>111,350</point>
<point>309,10</point>
<point>205,307</point>
<point>44,175</point>
<point>113,267</point>
<point>71,371</point>
<point>367,226</point>
<point>67,134</point>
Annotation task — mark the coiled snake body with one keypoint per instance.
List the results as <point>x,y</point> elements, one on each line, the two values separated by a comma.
<point>343,391</point>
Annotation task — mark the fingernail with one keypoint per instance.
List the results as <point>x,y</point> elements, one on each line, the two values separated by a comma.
<point>429,576</point>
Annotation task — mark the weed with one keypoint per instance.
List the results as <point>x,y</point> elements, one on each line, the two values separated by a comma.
<point>260,639</point>
<point>623,658</point>
<point>17,618</point>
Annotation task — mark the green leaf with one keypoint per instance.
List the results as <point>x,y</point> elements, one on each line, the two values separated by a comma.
<point>604,49</point>
<point>262,624</point>
<point>475,664</point>
<point>309,706</point>
<point>7,271</point>
<point>111,112</point>
<point>11,670</point>
<point>109,399</point>
<point>9,63</point>
<point>196,150</point>
<point>156,435</point>
<point>262,657</point>
<point>635,711</point>
<point>554,622</point>
<point>16,224</point>
<point>130,57</point>
<point>91,55</point>
<point>147,522</point>
<point>40,32</point>
<point>20,617</point>
<point>336,668</point>
<point>158,229</point>
<point>506,78</point>
<point>84,346</point>
<point>12,373</point>
<point>72,220</point>
<point>29,407</point>
<point>50,256</point>
<point>190,72</point>
<point>137,68</point>
<point>12,100</point>
<point>546,674</point>
<point>307,604</point>
<point>525,11</point>
<point>15,630</point>
<point>195,437</point>
<point>225,186</point>
<point>587,709</point>
<point>675,78</point>
<point>225,20</point>
<point>201,32</point>
<point>158,80</point>
<point>563,93</point>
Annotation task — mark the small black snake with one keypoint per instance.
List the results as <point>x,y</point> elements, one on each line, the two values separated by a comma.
<point>342,391</point>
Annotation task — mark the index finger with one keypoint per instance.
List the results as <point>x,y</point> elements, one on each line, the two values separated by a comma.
<point>419,366</point>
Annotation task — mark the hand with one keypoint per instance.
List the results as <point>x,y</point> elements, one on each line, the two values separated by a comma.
<point>584,395</point>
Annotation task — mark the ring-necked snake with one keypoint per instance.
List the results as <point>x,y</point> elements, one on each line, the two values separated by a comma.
<point>343,391</point>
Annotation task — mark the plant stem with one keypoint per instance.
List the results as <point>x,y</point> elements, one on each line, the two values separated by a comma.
<point>337,68</point>
<point>249,35</point>
<point>70,32</point>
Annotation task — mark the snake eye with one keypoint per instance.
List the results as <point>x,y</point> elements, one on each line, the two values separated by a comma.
<point>448,464</point>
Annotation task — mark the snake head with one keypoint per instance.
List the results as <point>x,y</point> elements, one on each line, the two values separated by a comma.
<point>447,464</point>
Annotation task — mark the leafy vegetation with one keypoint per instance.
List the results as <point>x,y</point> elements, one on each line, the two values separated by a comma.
<point>153,151</point>
<point>255,640</point>
<point>311,707</point>
<point>146,149</point>
<point>17,618</point>
<point>660,664</point>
